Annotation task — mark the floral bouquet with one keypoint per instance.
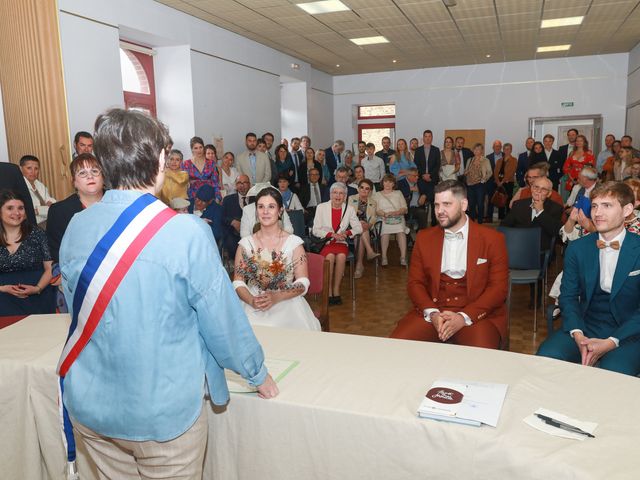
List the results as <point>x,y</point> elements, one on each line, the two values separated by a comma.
<point>267,271</point>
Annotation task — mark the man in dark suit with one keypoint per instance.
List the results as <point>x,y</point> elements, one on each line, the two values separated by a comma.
<point>313,194</point>
<point>493,157</point>
<point>599,293</point>
<point>297,156</point>
<point>342,175</point>
<point>333,156</point>
<point>232,206</point>
<point>555,160</point>
<point>427,159</point>
<point>565,150</point>
<point>11,179</point>
<point>523,162</point>
<point>414,190</point>
<point>537,211</point>
<point>464,153</point>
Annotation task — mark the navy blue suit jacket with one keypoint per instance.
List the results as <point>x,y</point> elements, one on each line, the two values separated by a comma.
<point>582,274</point>
<point>428,164</point>
<point>521,169</point>
<point>403,186</point>
<point>332,163</point>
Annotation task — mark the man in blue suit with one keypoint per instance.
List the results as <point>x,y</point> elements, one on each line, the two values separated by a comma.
<point>232,206</point>
<point>333,157</point>
<point>523,162</point>
<point>599,296</point>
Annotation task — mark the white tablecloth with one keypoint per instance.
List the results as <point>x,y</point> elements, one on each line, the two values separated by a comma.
<point>347,411</point>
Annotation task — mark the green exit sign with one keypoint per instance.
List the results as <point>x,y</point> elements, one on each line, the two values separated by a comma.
<point>566,104</point>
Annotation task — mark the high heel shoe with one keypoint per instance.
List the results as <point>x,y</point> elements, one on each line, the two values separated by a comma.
<point>372,256</point>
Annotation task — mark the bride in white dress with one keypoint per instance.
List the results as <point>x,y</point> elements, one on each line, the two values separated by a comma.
<point>271,271</point>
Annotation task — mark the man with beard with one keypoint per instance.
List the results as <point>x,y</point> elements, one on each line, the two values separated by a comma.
<point>458,278</point>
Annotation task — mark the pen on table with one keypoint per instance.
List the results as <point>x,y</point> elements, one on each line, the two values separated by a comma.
<point>564,426</point>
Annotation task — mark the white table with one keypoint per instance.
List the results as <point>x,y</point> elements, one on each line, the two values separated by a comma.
<point>347,411</point>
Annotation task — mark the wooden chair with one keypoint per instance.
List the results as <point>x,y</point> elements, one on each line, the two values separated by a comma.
<point>320,284</point>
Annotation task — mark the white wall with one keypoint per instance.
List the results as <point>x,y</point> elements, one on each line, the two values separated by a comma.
<point>174,93</point>
<point>499,98</point>
<point>320,108</point>
<point>293,107</point>
<point>232,100</point>
<point>633,96</point>
<point>4,149</point>
<point>234,80</point>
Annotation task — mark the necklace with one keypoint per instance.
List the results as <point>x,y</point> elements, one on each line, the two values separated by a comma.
<point>263,243</point>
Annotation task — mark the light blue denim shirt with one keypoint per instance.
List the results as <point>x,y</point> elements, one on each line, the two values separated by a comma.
<point>174,317</point>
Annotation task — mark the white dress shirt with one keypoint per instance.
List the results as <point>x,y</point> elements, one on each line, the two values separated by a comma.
<point>608,258</point>
<point>373,168</point>
<point>315,196</point>
<point>454,261</point>
<point>39,192</point>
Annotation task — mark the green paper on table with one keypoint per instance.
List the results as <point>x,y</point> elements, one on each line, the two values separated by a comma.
<point>278,368</point>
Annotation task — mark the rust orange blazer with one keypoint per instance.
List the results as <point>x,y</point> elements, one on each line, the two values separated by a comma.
<point>487,282</point>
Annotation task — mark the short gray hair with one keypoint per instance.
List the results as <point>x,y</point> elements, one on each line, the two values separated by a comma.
<point>340,143</point>
<point>589,172</point>
<point>338,186</point>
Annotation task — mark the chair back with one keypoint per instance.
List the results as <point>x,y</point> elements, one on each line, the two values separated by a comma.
<point>523,247</point>
<point>297,221</point>
<point>319,280</point>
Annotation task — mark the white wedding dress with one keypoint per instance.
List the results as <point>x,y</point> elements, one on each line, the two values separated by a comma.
<point>292,313</point>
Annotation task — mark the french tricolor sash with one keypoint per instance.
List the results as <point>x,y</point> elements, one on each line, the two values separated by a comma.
<point>101,276</point>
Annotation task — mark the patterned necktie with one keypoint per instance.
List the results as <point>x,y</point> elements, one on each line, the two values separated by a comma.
<point>457,156</point>
<point>453,236</point>
<point>243,201</point>
<point>602,244</point>
<point>316,194</point>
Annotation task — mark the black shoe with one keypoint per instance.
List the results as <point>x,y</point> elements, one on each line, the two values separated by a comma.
<point>337,300</point>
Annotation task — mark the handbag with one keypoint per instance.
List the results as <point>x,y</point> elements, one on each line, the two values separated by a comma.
<point>393,220</point>
<point>315,244</point>
<point>499,197</point>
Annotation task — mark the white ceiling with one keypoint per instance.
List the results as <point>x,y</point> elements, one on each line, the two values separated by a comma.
<point>424,33</point>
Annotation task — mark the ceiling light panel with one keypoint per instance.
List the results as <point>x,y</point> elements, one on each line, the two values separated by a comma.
<point>561,22</point>
<point>553,48</point>
<point>325,6</point>
<point>369,40</point>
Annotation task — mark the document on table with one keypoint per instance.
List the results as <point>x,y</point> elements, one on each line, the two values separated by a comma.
<point>482,403</point>
<point>278,369</point>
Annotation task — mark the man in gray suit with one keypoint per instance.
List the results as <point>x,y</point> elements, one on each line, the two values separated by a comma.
<point>253,163</point>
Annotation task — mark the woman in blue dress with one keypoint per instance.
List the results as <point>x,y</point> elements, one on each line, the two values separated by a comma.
<point>402,160</point>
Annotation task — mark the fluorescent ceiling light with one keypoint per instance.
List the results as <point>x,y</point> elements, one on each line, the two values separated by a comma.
<point>326,6</point>
<point>369,40</point>
<point>553,48</point>
<point>561,22</point>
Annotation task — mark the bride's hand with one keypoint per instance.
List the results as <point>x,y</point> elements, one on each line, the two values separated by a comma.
<point>265,301</point>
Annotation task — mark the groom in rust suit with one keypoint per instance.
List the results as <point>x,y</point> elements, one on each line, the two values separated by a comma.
<point>458,278</point>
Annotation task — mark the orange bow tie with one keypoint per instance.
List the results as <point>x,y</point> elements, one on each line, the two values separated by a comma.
<point>602,244</point>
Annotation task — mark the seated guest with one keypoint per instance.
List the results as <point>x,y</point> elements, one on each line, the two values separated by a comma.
<point>11,179</point>
<point>313,194</point>
<point>458,278</point>
<point>25,261</point>
<point>505,176</point>
<point>342,175</point>
<point>538,211</point>
<point>533,172</point>
<point>414,190</point>
<point>39,193</point>
<point>176,181</point>
<point>337,221</point>
<point>632,222</point>
<point>289,199</point>
<point>587,179</point>
<point>358,175</point>
<point>249,221</point>
<point>180,205</point>
<point>374,168</point>
<point>208,210</point>
<point>365,207</point>
<point>635,186</point>
<point>599,292</point>
<point>232,206</point>
<point>86,174</point>
<point>391,208</point>
<point>267,299</point>
<point>228,173</point>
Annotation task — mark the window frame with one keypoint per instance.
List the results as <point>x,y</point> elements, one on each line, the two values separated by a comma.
<point>375,117</point>
<point>142,100</point>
